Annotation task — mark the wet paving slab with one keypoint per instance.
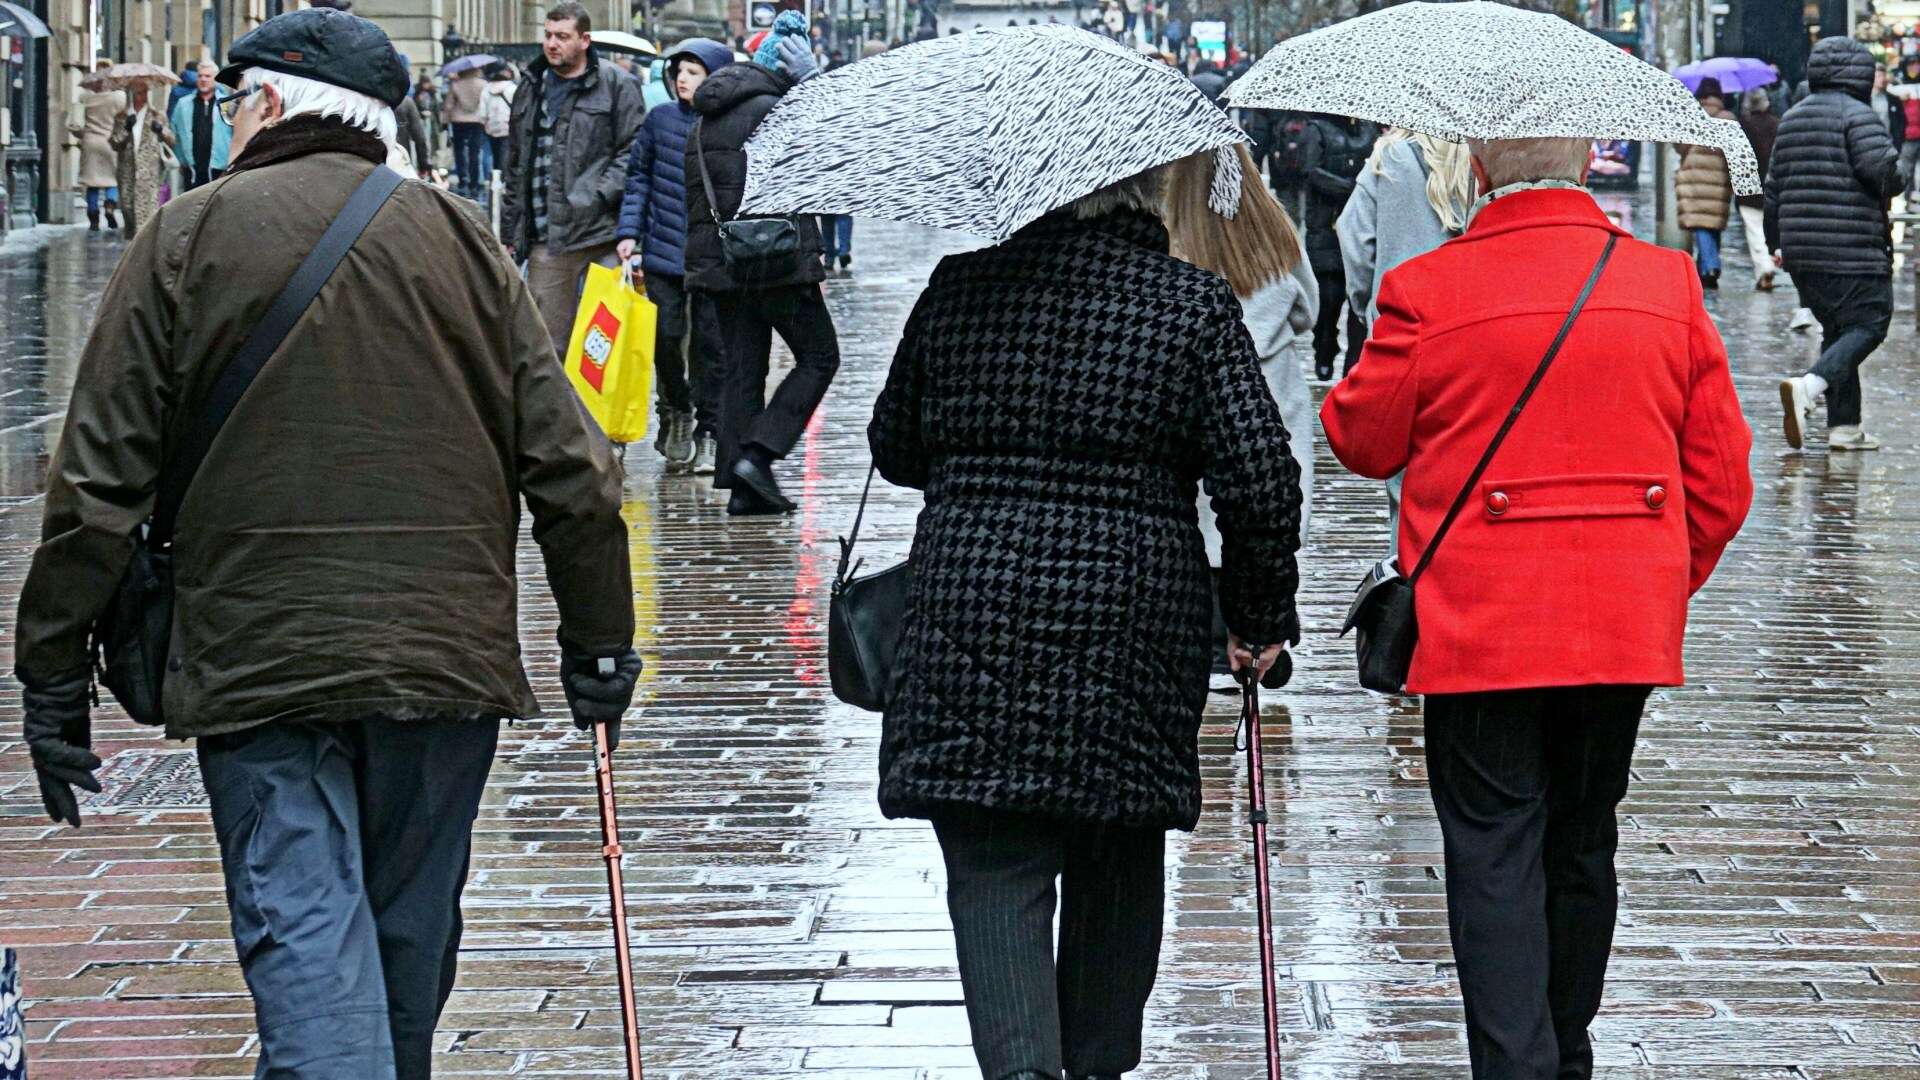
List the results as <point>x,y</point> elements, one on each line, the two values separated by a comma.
<point>1769,860</point>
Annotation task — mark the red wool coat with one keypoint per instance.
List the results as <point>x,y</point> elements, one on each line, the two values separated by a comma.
<point>1613,497</point>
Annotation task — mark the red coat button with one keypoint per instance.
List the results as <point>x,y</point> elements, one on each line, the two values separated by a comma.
<point>1656,497</point>
<point>1496,503</point>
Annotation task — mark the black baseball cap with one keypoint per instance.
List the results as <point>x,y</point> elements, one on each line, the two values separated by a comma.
<point>325,45</point>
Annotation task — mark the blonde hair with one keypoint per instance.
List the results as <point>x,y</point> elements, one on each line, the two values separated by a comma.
<point>1524,161</point>
<point>1449,173</point>
<point>1253,249</point>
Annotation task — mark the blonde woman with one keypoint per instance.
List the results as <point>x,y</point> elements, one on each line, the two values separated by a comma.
<point>144,142</point>
<point>1258,251</point>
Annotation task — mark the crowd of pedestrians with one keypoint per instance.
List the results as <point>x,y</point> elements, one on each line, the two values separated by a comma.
<point>358,734</point>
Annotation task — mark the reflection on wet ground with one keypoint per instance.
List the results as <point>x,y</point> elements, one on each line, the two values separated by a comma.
<point>1769,860</point>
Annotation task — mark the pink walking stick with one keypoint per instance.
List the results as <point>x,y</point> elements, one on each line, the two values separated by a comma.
<point>610,849</point>
<point>1257,812</point>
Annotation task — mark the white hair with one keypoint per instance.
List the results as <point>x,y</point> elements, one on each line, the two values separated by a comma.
<point>301,96</point>
<point>1519,161</point>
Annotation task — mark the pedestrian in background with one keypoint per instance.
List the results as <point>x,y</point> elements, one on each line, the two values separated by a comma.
<point>1132,376</point>
<point>498,111</point>
<point>653,232</point>
<point>780,296</point>
<point>464,109</point>
<point>1336,149</point>
<point>575,116</point>
<point>1762,127</point>
<point>1833,174</point>
<point>1606,508</point>
<point>1258,252</point>
<point>100,111</point>
<point>201,135</point>
<point>1704,189</point>
<point>1909,123</point>
<point>143,141</point>
<point>344,639</point>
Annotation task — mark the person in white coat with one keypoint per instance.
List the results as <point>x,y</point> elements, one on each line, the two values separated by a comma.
<point>1258,252</point>
<point>1413,195</point>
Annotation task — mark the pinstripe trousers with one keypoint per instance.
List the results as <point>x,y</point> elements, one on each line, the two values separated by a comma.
<point>1028,1012</point>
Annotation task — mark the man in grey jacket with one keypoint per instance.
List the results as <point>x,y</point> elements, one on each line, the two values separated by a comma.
<point>574,118</point>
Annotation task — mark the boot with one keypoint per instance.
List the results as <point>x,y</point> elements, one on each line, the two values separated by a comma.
<point>1323,368</point>
<point>93,221</point>
<point>112,221</point>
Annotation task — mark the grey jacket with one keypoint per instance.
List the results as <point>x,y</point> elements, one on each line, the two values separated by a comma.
<point>1276,316</point>
<point>587,177</point>
<point>1388,220</point>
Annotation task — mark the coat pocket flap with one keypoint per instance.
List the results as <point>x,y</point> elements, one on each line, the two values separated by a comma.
<point>1586,495</point>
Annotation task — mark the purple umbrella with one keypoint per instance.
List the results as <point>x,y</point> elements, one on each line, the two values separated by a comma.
<point>1736,74</point>
<point>468,63</point>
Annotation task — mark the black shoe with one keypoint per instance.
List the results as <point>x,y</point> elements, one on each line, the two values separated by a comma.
<point>93,221</point>
<point>1323,369</point>
<point>764,489</point>
<point>745,503</point>
<point>112,221</point>
<point>846,263</point>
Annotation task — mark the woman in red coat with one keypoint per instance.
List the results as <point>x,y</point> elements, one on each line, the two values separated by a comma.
<point>1559,598</point>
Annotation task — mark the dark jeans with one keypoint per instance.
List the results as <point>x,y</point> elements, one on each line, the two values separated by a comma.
<point>467,139</point>
<point>1854,312</point>
<point>748,320</point>
<point>836,231</point>
<point>1326,329</point>
<point>345,848</point>
<point>1525,783</point>
<point>683,350</point>
<point>1027,1012</point>
<point>198,176</point>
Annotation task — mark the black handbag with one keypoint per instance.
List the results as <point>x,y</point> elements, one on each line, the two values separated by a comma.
<point>1382,611</point>
<point>131,638</point>
<point>864,620</point>
<point>754,250</point>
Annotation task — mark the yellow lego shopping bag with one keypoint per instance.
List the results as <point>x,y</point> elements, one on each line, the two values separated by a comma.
<point>610,357</point>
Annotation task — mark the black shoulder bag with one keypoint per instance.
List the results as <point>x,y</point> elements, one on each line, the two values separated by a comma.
<point>1382,608</point>
<point>131,637</point>
<point>864,621</point>
<point>755,249</point>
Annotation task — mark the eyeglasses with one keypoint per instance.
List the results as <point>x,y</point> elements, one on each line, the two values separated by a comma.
<point>229,104</point>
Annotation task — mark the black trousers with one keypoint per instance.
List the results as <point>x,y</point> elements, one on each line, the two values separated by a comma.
<point>748,320</point>
<point>1027,1011</point>
<point>344,847</point>
<point>1326,328</point>
<point>683,350</point>
<point>1855,311</point>
<point>1525,784</point>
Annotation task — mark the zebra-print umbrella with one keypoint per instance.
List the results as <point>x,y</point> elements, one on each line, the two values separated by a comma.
<point>982,132</point>
<point>1483,70</point>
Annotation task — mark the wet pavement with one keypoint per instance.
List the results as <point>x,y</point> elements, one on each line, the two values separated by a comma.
<point>1770,856</point>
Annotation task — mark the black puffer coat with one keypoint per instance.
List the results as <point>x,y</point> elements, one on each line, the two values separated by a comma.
<point>1336,150</point>
<point>731,104</point>
<point>1058,397</point>
<point>1834,168</point>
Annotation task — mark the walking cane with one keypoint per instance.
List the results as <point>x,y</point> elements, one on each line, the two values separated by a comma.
<point>1276,677</point>
<point>610,848</point>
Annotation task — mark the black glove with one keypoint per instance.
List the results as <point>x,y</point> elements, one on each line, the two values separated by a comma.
<point>59,735</point>
<point>596,697</point>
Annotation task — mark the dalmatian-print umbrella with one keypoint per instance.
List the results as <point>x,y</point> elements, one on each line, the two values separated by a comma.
<point>983,132</point>
<point>1482,70</point>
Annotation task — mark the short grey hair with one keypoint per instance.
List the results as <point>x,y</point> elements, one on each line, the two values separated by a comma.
<point>1526,161</point>
<point>301,96</point>
<point>1757,100</point>
<point>1141,191</point>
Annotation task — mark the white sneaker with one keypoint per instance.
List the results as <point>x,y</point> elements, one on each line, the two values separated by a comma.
<point>1802,319</point>
<point>1797,402</point>
<point>703,457</point>
<point>1849,437</point>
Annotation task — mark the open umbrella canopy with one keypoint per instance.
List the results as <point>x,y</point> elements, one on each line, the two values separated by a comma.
<point>983,132</point>
<point>122,76</point>
<point>17,21</point>
<point>1482,70</point>
<point>1735,74</point>
<point>621,41</point>
<point>470,62</point>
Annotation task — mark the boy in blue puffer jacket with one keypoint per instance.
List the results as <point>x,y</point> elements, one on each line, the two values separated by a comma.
<point>653,235</point>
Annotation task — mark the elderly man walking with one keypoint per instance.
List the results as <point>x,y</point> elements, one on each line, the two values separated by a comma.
<point>345,640</point>
<point>201,136</point>
<point>573,120</point>
<point>1559,598</point>
<point>1834,171</point>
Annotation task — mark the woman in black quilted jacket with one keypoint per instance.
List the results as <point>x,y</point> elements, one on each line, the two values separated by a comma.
<point>1058,397</point>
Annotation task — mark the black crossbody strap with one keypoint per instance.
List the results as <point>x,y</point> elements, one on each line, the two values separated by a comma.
<point>847,565</point>
<point>1486,459</point>
<point>706,178</point>
<point>261,344</point>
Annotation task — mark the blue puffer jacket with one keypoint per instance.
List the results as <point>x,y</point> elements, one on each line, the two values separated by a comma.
<point>654,212</point>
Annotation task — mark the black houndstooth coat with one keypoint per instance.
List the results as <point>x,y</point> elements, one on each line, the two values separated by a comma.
<point>1058,397</point>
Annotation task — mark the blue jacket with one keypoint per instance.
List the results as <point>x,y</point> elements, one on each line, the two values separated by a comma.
<point>654,212</point>
<point>182,121</point>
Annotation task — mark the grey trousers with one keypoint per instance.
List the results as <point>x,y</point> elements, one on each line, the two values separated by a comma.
<point>344,848</point>
<point>1027,1011</point>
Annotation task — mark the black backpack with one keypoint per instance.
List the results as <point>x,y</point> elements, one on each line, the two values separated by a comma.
<point>1287,157</point>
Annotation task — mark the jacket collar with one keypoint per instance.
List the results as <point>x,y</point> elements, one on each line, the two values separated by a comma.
<point>1535,207</point>
<point>299,136</point>
<point>537,71</point>
<point>1132,226</point>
